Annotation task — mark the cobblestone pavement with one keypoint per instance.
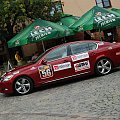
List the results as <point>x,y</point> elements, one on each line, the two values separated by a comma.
<point>94,98</point>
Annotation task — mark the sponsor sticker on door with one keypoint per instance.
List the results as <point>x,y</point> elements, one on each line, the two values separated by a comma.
<point>79,56</point>
<point>82,66</point>
<point>45,71</point>
<point>62,66</point>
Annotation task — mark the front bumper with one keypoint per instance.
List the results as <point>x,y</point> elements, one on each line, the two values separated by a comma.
<point>6,87</point>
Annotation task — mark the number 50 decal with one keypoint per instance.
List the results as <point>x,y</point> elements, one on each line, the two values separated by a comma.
<point>45,71</point>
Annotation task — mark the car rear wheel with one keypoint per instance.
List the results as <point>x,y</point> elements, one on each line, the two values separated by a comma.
<point>23,85</point>
<point>103,66</point>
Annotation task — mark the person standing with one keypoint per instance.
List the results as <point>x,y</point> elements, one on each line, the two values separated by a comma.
<point>18,58</point>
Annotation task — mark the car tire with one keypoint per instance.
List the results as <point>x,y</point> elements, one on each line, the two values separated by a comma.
<point>103,66</point>
<point>23,85</point>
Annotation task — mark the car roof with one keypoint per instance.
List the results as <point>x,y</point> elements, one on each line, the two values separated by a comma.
<point>68,43</point>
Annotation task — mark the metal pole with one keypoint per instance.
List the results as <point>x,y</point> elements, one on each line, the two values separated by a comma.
<point>43,46</point>
<point>100,35</point>
<point>9,67</point>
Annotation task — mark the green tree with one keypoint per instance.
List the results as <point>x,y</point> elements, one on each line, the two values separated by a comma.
<point>17,12</point>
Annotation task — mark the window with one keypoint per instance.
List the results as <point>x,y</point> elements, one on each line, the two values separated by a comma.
<point>57,53</point>
<point>92,46</point>
<point>56,7</point>
<point>83,47</point>
<point>79,47</point>
<point>103,3</point>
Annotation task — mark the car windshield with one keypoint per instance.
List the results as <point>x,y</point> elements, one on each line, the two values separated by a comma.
<point>40,56</point>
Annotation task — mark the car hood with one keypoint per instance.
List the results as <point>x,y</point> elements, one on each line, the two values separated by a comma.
<point>19,69</point>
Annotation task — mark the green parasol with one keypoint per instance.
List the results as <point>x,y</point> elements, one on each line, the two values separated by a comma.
<point>68,20</point>
<point>39,30</point>
<point>97,18</point>
<point>116,10</point>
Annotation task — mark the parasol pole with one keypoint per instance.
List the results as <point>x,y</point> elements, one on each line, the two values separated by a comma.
<point>43,46</point>
<point>100,35</point>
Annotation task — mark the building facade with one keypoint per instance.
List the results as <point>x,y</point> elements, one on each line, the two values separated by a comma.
<point>79,7</point>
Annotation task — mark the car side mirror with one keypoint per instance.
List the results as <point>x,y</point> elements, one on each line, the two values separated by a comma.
<point>44,61</point>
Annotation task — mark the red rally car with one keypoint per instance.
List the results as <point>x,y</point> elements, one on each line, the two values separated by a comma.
<point>62,62</point>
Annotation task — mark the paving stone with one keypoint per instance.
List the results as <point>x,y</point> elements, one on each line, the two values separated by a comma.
<point>93,98</point>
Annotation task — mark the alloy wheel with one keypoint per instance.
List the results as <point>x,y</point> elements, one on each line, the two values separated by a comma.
<point>104,66</point>
<point>23,85</point>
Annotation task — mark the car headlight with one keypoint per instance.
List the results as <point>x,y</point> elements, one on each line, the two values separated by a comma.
<point>8,77</point>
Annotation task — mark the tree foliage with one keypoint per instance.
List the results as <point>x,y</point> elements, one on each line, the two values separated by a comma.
<point>15,13</point>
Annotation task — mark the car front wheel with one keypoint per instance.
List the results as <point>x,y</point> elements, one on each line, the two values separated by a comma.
<point>103,66</point>
<point>23,85</point>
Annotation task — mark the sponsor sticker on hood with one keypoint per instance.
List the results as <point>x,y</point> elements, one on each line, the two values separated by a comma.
<point>17,72</point>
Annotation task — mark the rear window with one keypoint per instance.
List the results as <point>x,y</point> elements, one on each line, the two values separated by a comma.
<point>83,47</point>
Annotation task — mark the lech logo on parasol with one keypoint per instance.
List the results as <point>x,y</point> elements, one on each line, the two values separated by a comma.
<point>17,42</point>
<point>37,27</point>
<point>40,32</point>
<point>80,28</point>
<point>104,18</point>
<point>98,13</point>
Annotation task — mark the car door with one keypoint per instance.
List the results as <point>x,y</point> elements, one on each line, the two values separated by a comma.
<point>81,57</point>
<point>58,65</point>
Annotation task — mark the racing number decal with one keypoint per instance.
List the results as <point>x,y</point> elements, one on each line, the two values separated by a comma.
<point>45,71</point>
